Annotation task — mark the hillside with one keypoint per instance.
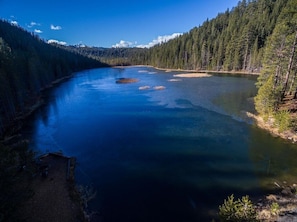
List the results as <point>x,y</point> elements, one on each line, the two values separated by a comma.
<point>27,65</point>
<point>111,56</point>
<point>234,40</point>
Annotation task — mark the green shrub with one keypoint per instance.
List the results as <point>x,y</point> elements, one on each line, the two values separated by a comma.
<point>237,210</point>
<point>274,209</point>
<point>282,120</point>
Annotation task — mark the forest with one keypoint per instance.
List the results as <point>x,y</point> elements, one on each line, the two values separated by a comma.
<point>28,65</point>
<point>234,40</point>
<point>112,56</point>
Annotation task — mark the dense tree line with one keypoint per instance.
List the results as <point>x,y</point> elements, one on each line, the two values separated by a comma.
<point>234,40</point>
<point>27,65</point>
<point>112,56</point>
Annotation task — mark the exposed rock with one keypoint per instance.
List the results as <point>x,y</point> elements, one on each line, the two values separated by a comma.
<point>287,192</point>
<point>286,201</point>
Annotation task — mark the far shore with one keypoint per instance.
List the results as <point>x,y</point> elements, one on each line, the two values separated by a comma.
<point>209,71</point>
<point>195,71</point>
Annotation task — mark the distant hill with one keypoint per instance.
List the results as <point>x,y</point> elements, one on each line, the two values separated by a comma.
<point>112,56</point>
<point>27,65</point>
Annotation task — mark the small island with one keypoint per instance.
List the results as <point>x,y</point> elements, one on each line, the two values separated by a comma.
<point>192,75</point>
<point>126,80</point>
<point>159,87</point>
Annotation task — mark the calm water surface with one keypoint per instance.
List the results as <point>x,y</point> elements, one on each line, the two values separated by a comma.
<point>161,155</point>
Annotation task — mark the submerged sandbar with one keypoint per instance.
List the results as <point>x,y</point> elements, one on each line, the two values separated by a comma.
<point>126,80</point>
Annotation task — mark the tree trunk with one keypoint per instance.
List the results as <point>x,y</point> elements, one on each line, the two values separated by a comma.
<point>277,71</point>
<point>285,85</point>
<point>292,83</point>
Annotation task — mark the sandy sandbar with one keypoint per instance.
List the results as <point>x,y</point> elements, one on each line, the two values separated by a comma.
<point>192,75</point>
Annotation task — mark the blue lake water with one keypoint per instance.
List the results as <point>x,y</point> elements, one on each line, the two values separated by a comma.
<point>161,155</point>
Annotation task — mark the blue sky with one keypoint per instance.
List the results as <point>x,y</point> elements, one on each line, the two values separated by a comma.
<point>107,23</point>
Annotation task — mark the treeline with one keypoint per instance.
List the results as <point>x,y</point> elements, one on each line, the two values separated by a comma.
<point>112,56</point>
<point>27,65</point>
<point>234,40</point>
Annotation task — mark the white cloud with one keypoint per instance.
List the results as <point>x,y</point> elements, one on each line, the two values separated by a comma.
<point>51,41</point>
<point>160,39</point>
<point>123,44</point>
<point>37,31</point>
<point>14,23</point>
<point>32,24</point>
<point>57,27</point>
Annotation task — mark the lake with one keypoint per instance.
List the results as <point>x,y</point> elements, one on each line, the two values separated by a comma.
<point>170,153</point>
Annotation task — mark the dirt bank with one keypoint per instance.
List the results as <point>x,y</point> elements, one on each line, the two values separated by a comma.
<point>54,197</point>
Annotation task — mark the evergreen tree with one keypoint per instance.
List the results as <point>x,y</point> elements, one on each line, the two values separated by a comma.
<point>278,76</point>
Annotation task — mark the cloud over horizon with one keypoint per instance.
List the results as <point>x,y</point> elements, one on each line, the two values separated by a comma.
<point>123,44</point>
<point>53,41</point>
<point>159,40</point>
<point>55,27</point>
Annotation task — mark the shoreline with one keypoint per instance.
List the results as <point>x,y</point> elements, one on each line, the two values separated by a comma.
<point>207,71</point>
<point>269,127</point>
<point>16,124</point>
<point>194,71</point>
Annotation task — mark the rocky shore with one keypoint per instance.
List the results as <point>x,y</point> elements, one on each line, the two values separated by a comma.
<point>280,206</point>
